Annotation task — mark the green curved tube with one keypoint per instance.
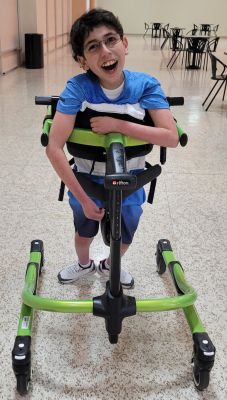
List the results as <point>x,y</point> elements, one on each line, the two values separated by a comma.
<point>54,305</point>
<point>48,304</point>
<point>86,306</point>
<point>170,303</point>
<point>89,138</point>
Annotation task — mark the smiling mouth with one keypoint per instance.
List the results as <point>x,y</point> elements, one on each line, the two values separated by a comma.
<point>109,65</point>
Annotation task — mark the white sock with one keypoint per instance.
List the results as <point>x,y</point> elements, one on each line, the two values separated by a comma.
<point>85,265</point>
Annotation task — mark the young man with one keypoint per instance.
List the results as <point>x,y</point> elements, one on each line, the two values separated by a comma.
<point>100,47</point>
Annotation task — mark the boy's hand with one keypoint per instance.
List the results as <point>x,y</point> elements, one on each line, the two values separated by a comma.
<point>91,210</point>
<point>103,125</point>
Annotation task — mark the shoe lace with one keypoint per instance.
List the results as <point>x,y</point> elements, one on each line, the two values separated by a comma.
<point>74,267</point>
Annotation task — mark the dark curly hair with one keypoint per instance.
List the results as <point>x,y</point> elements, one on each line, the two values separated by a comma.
<point>86,23</point>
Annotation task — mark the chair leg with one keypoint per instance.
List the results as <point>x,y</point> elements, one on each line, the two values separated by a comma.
<point>210,92</point>
<point>224,90</point>
<point>175,59</point>
<point>164,43</point>
<point>205,61</point>
<point>215,95</point>
<point>171,59</point>
<point>207,58</point>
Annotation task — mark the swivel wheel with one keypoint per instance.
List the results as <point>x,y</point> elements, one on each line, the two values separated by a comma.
<point>22,384</point>
<point>201,376</point>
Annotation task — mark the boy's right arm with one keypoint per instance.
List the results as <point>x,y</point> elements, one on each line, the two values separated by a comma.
<point>61,128</point>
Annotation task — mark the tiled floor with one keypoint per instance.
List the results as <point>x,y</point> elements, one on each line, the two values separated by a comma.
<point>71,355</point>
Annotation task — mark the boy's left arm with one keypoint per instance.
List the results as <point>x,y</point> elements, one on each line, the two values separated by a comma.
<point>164,133</point>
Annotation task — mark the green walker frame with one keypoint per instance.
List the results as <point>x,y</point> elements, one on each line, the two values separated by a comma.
<point>113,305</point>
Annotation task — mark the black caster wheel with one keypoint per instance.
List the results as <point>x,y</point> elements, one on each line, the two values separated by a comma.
<point>201,377</point>
<point>22,384</point>
<point>161,266</point>
<point>113,339</point>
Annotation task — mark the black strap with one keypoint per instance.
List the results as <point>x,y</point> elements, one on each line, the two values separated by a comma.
<point>92,167</point>
<point>94,189</point>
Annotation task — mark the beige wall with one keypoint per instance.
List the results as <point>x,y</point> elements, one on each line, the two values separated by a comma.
<point>78,8</point>
<point>81,6</point>
<point>93,4</point>
<point>9,36</point>
<point>183,13</point>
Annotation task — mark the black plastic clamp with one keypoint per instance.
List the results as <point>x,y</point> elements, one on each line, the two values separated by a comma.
<point>204,350</point>
<point>21,355</point>
<point>114,309</point>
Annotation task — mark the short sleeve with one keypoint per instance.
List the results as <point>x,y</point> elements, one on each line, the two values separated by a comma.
<point>153,97</point>
<point>71,98</point>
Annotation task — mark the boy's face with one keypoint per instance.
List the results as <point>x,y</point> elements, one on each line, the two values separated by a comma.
<point>104,55</point>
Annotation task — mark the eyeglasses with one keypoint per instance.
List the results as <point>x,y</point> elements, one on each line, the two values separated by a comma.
<point>95,46</point>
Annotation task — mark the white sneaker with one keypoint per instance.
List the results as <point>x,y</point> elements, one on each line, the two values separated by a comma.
<point>127,281</point>
<point>74,272</point>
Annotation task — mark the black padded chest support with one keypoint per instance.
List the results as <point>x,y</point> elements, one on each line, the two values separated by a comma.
<point>83,118</point>
<point>99,153</point>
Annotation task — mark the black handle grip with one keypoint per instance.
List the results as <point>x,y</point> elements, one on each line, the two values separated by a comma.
<point>183,139</point>
<point>48,101</point>
<point>43,100</point>
<point>175,101</point>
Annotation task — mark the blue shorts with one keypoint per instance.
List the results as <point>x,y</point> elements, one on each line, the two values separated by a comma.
<point>130,214</point>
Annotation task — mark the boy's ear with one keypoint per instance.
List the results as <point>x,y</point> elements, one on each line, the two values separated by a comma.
<point>125,43</point>
<point>82,63</point>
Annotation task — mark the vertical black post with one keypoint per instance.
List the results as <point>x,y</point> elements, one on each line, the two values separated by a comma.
<point>115,167</point>
<point>113,305</point>
<point>115,241</point>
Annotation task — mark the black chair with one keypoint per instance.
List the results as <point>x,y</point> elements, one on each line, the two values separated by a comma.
<point>205,29</point>
<point>195,50</point>
<point>147,28</point>
<point>156,29</point>
<point>165,29</point>
<point>211,47</point>
<point>217,65</point>
<point>212,44</point>
<point>178,48</point>
<point>176,31</point>
<point>214,30</point>
<point>193,31</point>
